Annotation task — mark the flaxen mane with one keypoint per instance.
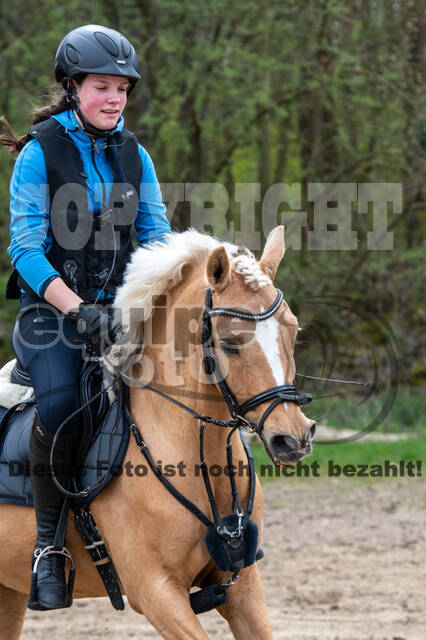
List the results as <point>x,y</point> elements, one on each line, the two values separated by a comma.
<point>155,269</point>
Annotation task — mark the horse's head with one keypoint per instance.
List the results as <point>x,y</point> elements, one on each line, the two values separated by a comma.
<point>256,355</point>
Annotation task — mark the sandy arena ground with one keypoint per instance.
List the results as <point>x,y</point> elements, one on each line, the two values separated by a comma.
<point>344,560</point>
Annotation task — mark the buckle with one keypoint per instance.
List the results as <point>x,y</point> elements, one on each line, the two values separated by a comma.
<point>232,580</point>
<point>245,425</point>
<point>101,276</point>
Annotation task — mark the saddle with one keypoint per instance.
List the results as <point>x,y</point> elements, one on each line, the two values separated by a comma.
<point>102,445</point>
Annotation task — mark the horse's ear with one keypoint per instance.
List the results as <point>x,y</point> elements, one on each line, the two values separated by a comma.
<point>273,252</point>
<point>218,269</point>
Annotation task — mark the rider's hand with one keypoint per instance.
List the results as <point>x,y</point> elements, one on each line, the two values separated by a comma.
<point>94,322</point>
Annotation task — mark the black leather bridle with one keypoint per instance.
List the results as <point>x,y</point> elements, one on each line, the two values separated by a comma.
<point>278,395</point>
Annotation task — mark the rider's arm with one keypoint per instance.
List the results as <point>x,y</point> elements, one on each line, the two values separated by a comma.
<point>29,218</point>
<point>30,229</point>
<point>151,221</point>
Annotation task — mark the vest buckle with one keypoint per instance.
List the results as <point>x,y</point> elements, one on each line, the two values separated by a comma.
<point>101,277</point>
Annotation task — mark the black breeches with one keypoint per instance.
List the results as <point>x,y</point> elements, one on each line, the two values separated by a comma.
<point>50,348</point>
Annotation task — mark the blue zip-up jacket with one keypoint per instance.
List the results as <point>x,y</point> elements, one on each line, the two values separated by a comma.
<point>30,226</point>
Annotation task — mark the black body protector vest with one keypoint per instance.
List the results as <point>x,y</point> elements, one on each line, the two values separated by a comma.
<point>87,249</point>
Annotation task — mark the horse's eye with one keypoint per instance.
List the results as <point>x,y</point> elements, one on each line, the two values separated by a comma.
<point>229,347</point>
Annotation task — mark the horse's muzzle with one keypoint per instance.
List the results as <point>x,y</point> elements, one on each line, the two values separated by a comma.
<point>286,449</point>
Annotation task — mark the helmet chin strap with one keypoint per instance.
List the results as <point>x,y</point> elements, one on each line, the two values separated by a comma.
<point>74,102</point>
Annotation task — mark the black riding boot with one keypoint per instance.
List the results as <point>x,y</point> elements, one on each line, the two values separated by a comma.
<point>48,587</point>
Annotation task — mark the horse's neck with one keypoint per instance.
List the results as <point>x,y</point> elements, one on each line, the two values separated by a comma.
<point>172,434</point>
<point>166,421</point>
<point>178,371</point>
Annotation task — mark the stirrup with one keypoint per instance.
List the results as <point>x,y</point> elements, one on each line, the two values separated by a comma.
<point>33,601</point>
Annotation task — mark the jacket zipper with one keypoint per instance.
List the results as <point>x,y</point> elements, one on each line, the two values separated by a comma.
<point>95,146</point>
<point>104,204</point>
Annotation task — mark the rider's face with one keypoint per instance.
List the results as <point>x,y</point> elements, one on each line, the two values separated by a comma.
<point>102,99</point>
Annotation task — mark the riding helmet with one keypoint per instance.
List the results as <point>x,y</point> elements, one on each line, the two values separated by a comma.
<point>96,49</point>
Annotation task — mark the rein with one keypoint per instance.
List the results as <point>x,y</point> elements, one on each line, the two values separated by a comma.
<point>217,519</point>
<point>278,395</point>
<point>282,393</point>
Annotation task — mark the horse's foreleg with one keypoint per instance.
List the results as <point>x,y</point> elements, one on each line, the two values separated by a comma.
<point>12,612</point>
<point>166,606</point>
<point>245,608</point>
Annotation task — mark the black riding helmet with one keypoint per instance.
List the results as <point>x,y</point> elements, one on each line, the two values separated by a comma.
<point>94,49</point>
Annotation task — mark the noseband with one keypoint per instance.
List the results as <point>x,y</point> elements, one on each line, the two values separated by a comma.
<point>278,395</point>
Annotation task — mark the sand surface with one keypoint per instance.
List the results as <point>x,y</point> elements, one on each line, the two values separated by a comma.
<point>344,560</point>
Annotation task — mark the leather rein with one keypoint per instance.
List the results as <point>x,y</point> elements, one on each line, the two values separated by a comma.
<point>278,395</point>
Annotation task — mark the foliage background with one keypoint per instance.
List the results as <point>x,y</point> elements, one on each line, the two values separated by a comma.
<point>242,91</point>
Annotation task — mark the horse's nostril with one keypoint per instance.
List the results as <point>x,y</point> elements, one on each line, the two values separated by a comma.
<point>307,441</point>
<point>284,445</point>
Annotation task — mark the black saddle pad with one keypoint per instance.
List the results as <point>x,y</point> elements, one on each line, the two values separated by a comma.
<point>103,458</point>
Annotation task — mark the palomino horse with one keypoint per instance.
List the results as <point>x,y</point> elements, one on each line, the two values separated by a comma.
<point>156,544</point>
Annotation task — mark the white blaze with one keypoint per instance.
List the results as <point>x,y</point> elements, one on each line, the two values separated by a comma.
<point>267,336</point>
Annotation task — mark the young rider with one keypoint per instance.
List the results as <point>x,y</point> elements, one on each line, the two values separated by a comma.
<point>80,183</point>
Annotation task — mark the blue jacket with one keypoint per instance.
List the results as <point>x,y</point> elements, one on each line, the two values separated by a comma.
<point>30,227</point>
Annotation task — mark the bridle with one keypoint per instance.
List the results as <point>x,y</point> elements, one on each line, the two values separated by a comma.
<point>278,395</point>
<point>229,531</point>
